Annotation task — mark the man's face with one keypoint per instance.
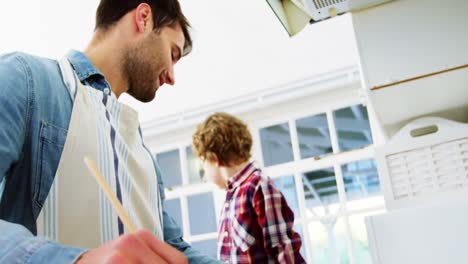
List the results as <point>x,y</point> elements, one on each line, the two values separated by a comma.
<point>150,63</point>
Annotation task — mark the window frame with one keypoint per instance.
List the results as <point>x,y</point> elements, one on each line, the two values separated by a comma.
<point>336,159</point>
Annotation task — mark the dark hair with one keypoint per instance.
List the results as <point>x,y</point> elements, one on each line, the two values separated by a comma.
<point>165,13</point>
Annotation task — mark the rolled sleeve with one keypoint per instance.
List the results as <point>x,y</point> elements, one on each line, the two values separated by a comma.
<point>20,246</point>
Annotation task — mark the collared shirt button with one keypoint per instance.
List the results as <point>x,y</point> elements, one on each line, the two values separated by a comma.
<point>107,91</point>
<point>226,234</point>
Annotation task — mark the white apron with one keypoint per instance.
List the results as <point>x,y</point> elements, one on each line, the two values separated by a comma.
<point>76,212</point>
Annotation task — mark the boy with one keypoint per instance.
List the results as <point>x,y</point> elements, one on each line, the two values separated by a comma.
<point>256,224</point>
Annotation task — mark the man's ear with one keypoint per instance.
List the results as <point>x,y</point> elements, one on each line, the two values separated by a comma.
<point>143,18</point>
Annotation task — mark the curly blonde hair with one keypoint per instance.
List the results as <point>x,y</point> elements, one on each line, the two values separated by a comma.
<point>225,136</point>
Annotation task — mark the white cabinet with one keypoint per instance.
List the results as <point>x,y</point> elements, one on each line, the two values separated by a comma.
<point>431,235</point>
<point>416,51</point>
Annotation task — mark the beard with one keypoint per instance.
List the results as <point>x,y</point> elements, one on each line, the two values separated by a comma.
<point>141,69</point>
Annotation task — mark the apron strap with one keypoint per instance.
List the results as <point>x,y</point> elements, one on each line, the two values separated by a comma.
<point>69,77</point>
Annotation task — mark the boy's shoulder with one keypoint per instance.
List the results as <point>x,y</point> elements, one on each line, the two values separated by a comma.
<point>256,180</point>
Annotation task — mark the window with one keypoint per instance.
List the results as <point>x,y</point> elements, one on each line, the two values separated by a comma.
<point>205,222</point>
<point>276,144</point>
<point>298,229</point>
<point>173,209</point>
<point>323,164</point>
<point>320,192</point>
<point>313,136</point>
<point>207,247</point>
<point>352,127</point>
<point>195,171</point>
<point>359,237</point>
<point>361,179</point>
<point>189,200</point>
<point>2,187</point>
<point>332,181</point>
<point>169,162</point>
<point>287,186</point>
<point>329,243</point>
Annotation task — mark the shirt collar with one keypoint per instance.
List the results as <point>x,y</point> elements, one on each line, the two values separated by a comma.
<point>86,71</point>
<point>240,177</point>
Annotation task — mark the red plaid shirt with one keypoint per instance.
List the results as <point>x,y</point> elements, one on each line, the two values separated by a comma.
<point>256,222</point>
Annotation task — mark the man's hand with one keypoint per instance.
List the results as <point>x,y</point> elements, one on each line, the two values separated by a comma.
<point>138,247</point>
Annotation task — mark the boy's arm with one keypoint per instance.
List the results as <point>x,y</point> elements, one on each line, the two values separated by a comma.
<point>277,220</point>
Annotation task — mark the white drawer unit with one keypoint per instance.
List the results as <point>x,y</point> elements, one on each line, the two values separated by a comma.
<point>425,235</point>
<point>425,162</point>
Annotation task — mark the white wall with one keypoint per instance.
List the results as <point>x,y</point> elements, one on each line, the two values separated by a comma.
<point>48,27</point>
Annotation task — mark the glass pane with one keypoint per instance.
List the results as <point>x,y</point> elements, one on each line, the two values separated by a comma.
<point>169,162</point>
<point>352,127</point>
<point>172,208</point>
<point>329,243</point>
<point>314,136</point>
<point>298,229</point>
<point>366,203</point>
<point>195,170</point>
<point>359,237</point>
<point>287,186</point>
<point>2,188</point>
<point>206,247</point>
<point>361,179</point>
<point>276,144</point>
<point>321,193</point>
<point>201,213</point>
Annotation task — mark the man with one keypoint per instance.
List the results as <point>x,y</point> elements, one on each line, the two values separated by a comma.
<point>52,113</point>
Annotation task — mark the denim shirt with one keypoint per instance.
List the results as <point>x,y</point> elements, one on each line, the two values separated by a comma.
<point>35,111</point>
